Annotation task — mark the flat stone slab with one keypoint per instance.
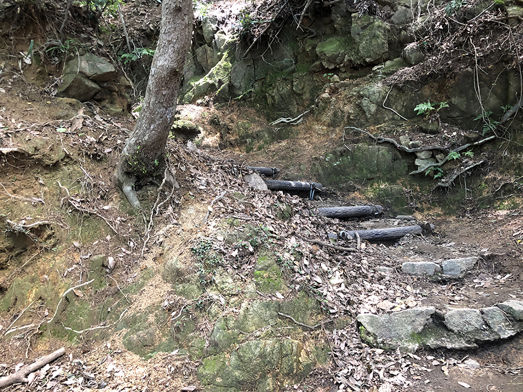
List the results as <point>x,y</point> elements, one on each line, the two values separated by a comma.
<point>457,268</point>
<point>395,329</point>
<point>513,308</point>
<point>422,268</point>
<point>456,329</point>
<point>470,323</point>
<point>498,322</point>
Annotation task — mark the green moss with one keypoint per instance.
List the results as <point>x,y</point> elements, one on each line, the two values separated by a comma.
<point>367,337</point>
<point>18,293</point>
<point>268,275</point>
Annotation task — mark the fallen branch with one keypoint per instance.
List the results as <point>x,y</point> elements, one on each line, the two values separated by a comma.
<point>326,244</point>
<point>391,109</point>
<point>209,209</point>
<point>63,296</point>
<point>458,149</point>
<point>32,200</point>
<point>401,147</point>
<point>347,212</point>
<point>447,183</point>
<point>20,376</point>
<point>8,329</point>
<point>311,327</point>
<point>289,120</point>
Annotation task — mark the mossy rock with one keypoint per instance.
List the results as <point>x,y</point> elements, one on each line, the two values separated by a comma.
<point>363,164</point>
<point>268,276</point>
<point>257,365</point>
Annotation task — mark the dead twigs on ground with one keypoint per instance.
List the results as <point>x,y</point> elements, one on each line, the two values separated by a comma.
<point>311,327</point>
<point>20,376</point>
<point>326,244</point>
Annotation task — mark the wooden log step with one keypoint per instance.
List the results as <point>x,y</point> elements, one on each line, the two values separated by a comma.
<point>266,171</point>
<point>346,212</point>
<point>294,186</point>
<point>386,234</point>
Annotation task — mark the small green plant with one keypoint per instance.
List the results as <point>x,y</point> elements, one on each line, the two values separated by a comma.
<point>59,49</point>
<point>427,108</point>
<point>137,54</point>
<point>435,171</point>
<point>453,155</point>
<point>454,6</point>
<point>489,124</point>
<point>469,154</point>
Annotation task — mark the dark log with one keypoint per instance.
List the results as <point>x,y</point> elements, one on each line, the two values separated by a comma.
<point>386,234</point>
<point>293,186</point>
<point>266,171</point>
<point>350,211</point>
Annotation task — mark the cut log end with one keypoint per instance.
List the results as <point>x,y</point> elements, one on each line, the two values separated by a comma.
<point>266,171</point>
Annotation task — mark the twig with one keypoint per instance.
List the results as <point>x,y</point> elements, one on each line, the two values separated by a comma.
<point>326,244</point>
<point>288,120</point>
<point>458,149</point>
<point>31,200</point>
<point>389,108</point>
<point>219,197</point>
<point>149,226</point>
<point>20,376</point>
<point>448,182</point>
<point>98,326</point>
<point>380,139</point>
<point>122,21</point>
<point>307,5</point>
<point>311,327</point>
<point>17,318</point>
<point>66,16</point>
<point>63,296</point>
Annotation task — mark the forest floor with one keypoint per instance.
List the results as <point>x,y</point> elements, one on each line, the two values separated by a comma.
<point>57,160</point>
<point>59,209</point>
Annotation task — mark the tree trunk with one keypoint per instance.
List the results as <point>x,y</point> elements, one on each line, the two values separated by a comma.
<point>143,154</point>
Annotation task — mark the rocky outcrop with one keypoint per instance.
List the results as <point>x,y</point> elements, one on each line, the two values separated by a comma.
<point>462,328</point>
<point>89,77</point>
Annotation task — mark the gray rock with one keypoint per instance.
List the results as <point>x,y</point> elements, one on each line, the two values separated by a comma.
<point>206,57</point>
<point>469,323</point>
<point>93,67</point>
<point>402,16</point>
<point>404,140</point>
<point>424,154</point>
<point>412,54</point>
<point>498,322</point>
<point>395,329</point>
<point>242,76</point>
<point>385,270</point>
<point>434,336</point>
<point>209,28</point>
<point>440,157</point>
<point>513,307</point>
<point>423,163</point>
<point>255,182</point>
<point>420,268</point>
<point>456,268</point>
<point>77,86</point>
<point>415,144</point>
<point>371,36</point>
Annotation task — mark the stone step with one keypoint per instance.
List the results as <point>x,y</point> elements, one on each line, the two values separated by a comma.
<point>454,328</point>
<point>446,269</point>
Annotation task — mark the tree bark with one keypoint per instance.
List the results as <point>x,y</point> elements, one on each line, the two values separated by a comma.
<point>350,211</point>
<point>143,154</point>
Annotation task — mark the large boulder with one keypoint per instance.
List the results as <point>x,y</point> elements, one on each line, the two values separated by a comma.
<point>79,87</point>
<point>371,37</point>
<point>83,75</point>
